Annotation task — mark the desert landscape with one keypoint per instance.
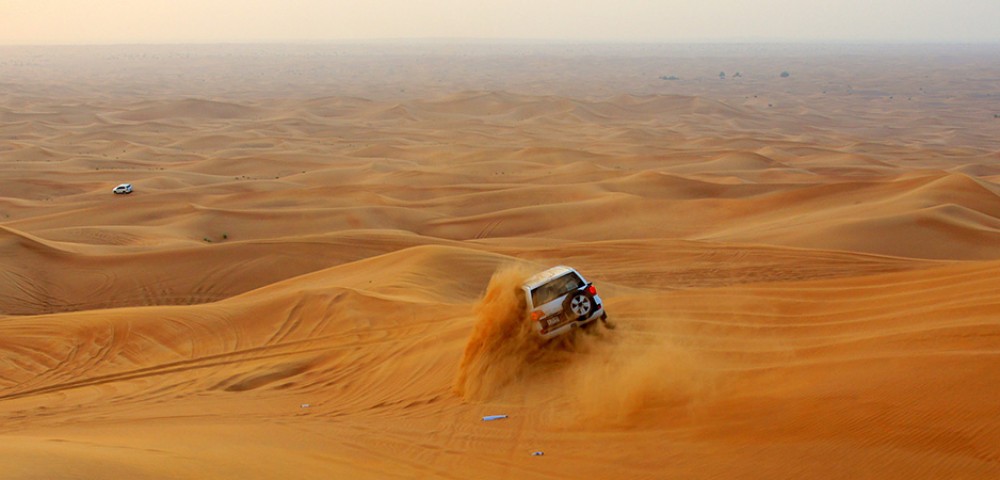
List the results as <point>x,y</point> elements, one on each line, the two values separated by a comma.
<point>799,247</point>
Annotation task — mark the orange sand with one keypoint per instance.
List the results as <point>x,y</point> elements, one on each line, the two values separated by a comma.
<point>803,270</point>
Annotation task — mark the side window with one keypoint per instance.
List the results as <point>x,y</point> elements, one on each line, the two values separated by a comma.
<point>538,296</point>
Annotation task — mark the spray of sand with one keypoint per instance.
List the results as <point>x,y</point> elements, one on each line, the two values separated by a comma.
<point>502,342</point>
<point>623,380</point>
<point>604,377</point>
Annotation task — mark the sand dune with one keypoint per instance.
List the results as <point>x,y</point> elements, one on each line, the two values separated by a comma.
<point>189,108</point>
<point>314,276</point>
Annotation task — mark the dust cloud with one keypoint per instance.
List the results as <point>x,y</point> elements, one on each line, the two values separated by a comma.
<point>622,378</point>
<point>502,341</point>
<point>604,376</point>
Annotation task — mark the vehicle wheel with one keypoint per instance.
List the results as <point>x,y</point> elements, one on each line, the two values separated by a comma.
<point>578,305</point>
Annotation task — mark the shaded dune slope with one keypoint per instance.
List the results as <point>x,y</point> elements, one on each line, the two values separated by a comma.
<point>43,277</point>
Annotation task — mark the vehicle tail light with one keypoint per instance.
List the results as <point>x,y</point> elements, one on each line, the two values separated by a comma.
<point>536,315</point>
<point>592,290</point>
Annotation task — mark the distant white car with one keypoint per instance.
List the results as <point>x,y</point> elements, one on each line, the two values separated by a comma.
<point>559,300</point>
<point>123,189</point>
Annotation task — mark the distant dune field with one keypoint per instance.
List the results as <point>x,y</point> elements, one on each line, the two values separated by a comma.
<point>802,270</point>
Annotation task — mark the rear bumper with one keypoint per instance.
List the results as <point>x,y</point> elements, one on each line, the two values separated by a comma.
<point>599,313</point>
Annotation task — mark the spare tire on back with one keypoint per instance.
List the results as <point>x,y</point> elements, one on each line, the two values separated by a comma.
<point>578,304</point>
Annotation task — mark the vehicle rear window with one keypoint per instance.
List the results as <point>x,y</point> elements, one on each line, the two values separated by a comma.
<point>552,290</point>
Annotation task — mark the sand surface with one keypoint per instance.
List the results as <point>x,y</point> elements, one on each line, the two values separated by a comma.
<point>803,271</point>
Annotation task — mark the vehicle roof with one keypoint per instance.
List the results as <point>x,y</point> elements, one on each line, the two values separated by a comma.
<point>124,185</point>
<point>547,275</point>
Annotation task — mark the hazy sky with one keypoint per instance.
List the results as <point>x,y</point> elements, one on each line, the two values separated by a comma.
<point>183,21</point>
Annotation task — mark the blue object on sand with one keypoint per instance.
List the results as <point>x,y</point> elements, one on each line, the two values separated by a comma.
<point>493,417</point>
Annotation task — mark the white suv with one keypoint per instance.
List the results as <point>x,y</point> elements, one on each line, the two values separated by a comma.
<point>124,188</point>
<point>559,300</point>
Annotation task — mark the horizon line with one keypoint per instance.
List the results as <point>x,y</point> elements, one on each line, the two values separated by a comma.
<point>522,41</point>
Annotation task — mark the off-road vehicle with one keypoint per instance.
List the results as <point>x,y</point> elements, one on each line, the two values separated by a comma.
<point>559,300</point>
